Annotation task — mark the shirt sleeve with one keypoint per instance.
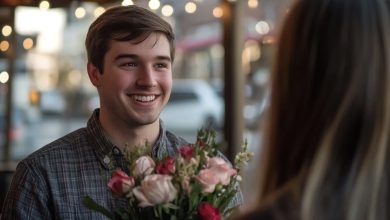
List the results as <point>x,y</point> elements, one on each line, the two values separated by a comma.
<point>28,195</point>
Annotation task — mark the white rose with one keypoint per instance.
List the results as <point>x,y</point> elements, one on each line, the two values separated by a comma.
<point>144,166</point>
<point>155,189</point>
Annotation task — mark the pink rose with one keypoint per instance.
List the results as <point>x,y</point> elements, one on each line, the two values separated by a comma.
<point>208,179</point>
<point>120,183</point>
<point>208,212</point>
<point>215,161</point>
<point>144,166</point>
<point>155,189</point>
<point>167,166</point>
<point>217,172</point>
<point>186,152</point>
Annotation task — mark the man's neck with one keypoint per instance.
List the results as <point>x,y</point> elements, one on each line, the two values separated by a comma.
<point>123,135</point>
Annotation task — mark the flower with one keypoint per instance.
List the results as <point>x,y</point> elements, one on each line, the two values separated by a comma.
<point>195,183</point>
<point>215,161</point>
<point>167,166</point>
<point>208,212</point>
<point>120,183</point>
<point>208,179</point>
<point>217,172</point>
<point>144,166</point>
<point>186,152</point>
<point>155,189</point>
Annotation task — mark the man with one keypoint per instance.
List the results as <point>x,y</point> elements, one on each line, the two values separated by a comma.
<point>130,54</point>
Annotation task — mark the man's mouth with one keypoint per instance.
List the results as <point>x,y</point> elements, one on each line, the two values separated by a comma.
<point>144,98</point>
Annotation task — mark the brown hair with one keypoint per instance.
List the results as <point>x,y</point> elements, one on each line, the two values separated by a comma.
<point>124,23</point>
<point>330,109</point>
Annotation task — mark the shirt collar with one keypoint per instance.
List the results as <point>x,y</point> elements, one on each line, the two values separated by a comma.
<point>101,144</point>
<point>104,148</point>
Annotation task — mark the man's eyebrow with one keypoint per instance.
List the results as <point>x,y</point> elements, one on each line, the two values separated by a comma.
<point>134,56</point>
<point>167,58</point>
<point>124,56</point>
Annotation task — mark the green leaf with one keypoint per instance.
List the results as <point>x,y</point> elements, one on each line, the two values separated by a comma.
<point>91,204</point>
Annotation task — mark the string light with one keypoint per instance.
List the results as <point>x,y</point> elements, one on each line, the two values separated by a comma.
<point>127,2</point>
<point>80,12</point>
<point>4,45</point>
<point>190,7</point>
<point>154,4</point>
<point>6,30</point>
<point>167,10</point>
<point>28,43</point>
<point>253,3</point>
<point>44,5</point>
<point>4,77</point>
<point>262,27</point>
<point>218,12</point>
<point>98,11</point>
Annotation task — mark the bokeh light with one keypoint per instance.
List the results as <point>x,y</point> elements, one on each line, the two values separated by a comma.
<point>190,7</point>
<point>6,30</point>
<point>4,45</point>
<point>80,12</point>
<point>28,43</point>
<point>98,11</point>
<point>44,5</point>
<point>167,10</point>
<point>4,77</point>
<point>218,12</point>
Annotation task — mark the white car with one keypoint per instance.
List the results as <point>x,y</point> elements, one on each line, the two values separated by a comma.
<point>193,105</point>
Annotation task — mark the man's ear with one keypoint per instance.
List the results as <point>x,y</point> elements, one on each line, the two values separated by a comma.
<point>93,74</point>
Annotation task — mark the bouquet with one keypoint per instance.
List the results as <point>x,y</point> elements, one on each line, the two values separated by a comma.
<point>198,183</point>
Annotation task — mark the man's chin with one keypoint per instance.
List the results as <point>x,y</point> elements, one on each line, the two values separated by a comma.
<point>147,121</point>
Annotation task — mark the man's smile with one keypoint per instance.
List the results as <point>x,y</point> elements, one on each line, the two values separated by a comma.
<point>144,98</point>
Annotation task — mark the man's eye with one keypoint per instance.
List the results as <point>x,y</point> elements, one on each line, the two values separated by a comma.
<point>129,64</point>
<point>161,65</point>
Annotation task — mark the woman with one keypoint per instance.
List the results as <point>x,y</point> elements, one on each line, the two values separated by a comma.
<point>327,148</point>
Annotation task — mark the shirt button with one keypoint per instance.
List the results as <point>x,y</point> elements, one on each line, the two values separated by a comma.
<point>106,160</point>
<point>116,150</point>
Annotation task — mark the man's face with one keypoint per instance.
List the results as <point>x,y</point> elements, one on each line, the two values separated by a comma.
<point>136,81</point>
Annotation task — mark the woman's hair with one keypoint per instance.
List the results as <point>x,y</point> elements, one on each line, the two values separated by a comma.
<point>328,126</point>
<point>124,23</point>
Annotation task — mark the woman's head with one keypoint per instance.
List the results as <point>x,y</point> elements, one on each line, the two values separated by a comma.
<point>330,94</point>
<point>130,23</point>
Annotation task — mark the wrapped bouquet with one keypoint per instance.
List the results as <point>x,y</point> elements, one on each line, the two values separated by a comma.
<point>196,184</point>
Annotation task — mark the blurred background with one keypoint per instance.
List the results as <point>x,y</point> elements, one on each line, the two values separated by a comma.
<point>45,91</point>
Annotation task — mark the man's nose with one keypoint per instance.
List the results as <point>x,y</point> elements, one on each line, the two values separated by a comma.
<point>146,77</point>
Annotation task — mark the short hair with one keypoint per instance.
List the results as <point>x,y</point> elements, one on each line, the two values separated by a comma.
<point>124,23</point>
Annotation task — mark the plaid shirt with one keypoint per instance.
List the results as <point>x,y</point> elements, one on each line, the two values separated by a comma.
<point>52,182</point>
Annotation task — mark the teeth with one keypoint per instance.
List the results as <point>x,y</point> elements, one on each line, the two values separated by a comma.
<point>144,98</point>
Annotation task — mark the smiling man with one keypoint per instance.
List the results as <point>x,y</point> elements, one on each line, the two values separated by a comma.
<point>130,53</point>
<point>134,84</point>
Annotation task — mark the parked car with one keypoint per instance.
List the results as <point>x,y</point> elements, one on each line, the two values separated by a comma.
<point>193,105</point>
